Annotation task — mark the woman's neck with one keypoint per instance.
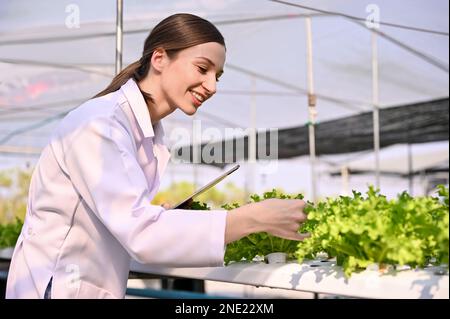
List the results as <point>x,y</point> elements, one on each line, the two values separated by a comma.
<point>159,107</point>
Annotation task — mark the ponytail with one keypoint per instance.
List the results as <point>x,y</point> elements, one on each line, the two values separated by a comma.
<point>136,70</point>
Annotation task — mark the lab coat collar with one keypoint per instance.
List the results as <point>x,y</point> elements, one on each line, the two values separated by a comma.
<point>137,103</point>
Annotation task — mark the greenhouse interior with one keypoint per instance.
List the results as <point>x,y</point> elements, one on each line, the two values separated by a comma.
<point>335,113</point>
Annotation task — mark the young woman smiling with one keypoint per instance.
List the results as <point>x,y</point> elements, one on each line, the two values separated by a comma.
<point>89,210</point>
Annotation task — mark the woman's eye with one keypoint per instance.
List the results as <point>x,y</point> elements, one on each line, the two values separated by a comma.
<point>202,70</point>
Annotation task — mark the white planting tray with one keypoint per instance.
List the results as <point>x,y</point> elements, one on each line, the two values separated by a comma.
<point>319,277</point>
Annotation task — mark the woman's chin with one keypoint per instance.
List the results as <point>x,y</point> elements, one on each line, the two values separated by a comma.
<point>189,110</point>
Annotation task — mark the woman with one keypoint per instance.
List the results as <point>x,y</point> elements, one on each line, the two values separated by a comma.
<point>89,210</point>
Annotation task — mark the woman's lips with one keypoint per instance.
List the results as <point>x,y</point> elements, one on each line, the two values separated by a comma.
<point>195,100</point>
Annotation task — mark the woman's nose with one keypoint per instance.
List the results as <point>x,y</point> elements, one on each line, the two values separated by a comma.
<point>210,85</point>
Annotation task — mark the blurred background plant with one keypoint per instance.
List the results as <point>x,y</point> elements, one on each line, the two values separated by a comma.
<point>14,184</point>
<point>214,197</point>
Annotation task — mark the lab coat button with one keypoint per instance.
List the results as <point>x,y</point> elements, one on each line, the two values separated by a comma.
<point>30,231</point>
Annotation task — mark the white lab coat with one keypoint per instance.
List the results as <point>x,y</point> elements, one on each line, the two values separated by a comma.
<point>89,208</point>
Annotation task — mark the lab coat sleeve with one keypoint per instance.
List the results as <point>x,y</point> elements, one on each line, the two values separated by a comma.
<point>101,161</point>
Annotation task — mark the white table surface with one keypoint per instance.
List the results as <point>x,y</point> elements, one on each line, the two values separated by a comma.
<point>319,277</point>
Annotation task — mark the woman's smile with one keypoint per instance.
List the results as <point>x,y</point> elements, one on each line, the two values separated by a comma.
<point>197,98</point>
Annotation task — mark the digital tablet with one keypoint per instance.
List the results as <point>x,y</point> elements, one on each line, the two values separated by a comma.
<point>188,201</point>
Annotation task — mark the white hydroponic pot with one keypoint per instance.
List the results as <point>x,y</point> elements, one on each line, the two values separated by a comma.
<point>276,258</point>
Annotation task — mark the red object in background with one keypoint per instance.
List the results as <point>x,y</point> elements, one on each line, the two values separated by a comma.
<point>35,89</point>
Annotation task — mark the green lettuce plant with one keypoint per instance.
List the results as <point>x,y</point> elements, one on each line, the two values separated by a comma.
<point>360,230</point>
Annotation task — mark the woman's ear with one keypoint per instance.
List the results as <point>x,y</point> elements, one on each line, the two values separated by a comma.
<point>159,59</point>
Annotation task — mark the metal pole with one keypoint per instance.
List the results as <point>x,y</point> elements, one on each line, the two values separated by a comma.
<point>376,116</point>
<point>196,147</point>
<point>410,170</point>
<point>119,33</point>
<point>345,180</point>
<point>252,151</point>
<point>410,162</point>
<point>251,161</point>
<point>195,173</point>
<point>311,108</point>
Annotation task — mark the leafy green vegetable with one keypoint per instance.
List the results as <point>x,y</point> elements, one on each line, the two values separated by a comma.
<point>9,233</point>
<point>359,230</point>
<point>198,206</point>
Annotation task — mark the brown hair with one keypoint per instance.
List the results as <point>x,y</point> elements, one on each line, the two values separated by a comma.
<point>173,34</point>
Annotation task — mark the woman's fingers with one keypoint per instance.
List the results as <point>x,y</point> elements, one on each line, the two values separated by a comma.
<point>302,236</point>
<point>286,218</point>
<point>166,206</point>
<point>300,217</point>
<point>296,211</point>
<point>297,236</point>
<point>297,203</point>
<point>280,217</point>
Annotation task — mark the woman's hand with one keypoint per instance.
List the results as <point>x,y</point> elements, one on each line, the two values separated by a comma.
<point>279,217</point>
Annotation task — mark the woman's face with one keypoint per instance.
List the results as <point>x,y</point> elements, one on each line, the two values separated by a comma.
<point>190,78</point>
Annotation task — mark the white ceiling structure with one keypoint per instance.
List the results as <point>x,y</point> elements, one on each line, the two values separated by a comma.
<point>48,66</point>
